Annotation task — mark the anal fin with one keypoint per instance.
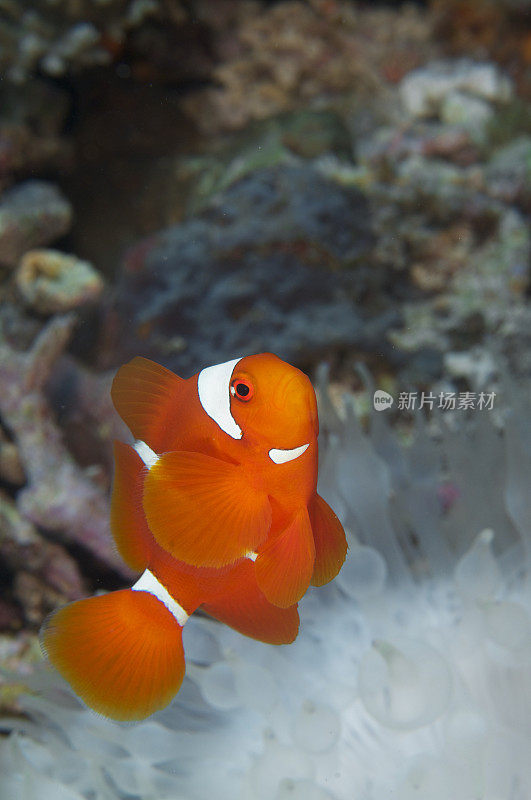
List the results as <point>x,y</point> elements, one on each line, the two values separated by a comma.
<point>242,606</point>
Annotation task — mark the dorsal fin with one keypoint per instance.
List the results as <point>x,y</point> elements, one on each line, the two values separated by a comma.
<point>146,396</point>
<point>133,538</point>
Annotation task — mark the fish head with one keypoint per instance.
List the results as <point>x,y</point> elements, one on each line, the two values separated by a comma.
<point>274,405</point>
<point>263,399</point>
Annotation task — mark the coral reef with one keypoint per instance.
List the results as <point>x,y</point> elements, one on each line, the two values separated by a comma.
<point>58,496</point>
<point>427,91</point>
<point>328,178</point>
<point>58,37</point>
<point>477,27</point>
<point>307,134</point>
<point>51,282</point>
<point>32,119</point>
<point>45,575</point>
<point>275,59</point>
<point>450,209</point>
<point>253,272</point>
<point>65,38</point>
<point>32,214</point>
<point>410,676</point>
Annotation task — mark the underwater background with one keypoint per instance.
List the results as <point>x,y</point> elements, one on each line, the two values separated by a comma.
<point>347,185</point>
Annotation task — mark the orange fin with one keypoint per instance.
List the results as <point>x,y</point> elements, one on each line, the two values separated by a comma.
<point>330,542</point>
<point>146,395</point>
<point>122,652</point>
<point>128,522</point>
<point>244,608</point>
<point>203,510</point>
<point>285,564</point>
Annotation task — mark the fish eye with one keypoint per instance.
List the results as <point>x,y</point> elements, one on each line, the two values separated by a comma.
<point>242,388</point>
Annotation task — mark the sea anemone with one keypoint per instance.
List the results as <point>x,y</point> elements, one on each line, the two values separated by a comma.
<point>411,675</point>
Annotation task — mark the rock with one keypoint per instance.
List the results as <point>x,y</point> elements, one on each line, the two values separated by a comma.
<point>10,617</point>
<point>51,281</point>
<point>80,400</point>
<point>32,214</point>
<point>11,469</point>
<point>389,145</point>
<point>266,143</point>
<point>467,111</point>
<point>278,262</point>
<point>508,173</point>
<point>58,495</point>
<point>32,123</point>
<point>24,551</point>
<point>424,90</point>
<point>280,56</point>
<point>477,366</point>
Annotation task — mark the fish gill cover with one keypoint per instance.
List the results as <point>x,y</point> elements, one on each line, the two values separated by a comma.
<point>411,673</point>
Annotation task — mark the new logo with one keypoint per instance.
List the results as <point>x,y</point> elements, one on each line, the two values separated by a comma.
<point>382,400</point>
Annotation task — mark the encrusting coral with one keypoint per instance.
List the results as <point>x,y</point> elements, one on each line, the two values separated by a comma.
<point>411,673</point>
<point>276,58</point>
<point>51,282</point>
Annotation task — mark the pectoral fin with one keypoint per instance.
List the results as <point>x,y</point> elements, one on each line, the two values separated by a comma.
<point>204,511</point>
<point>330,541</point>
<point>285,563</point>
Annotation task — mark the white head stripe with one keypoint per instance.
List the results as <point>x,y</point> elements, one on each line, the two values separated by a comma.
<point>281,456</point>
<point>148,456</point>
<point>149,583</point>
<point>214,396</point>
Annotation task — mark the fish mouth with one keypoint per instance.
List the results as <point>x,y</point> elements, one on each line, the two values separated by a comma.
<point>282,456</point>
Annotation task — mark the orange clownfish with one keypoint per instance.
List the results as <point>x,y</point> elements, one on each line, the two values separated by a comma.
<point>216,504</point>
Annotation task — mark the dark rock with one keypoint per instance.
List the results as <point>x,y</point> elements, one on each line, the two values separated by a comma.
<point>279,261</point>
<point>305,134</point>
<point>32,121</point>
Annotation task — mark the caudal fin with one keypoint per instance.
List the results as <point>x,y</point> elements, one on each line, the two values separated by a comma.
<point>122,652</point>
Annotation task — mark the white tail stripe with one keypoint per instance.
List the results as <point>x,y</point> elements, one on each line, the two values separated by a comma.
<point>149,583</point>
<point>148,456</point>
<point>281,456</point>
